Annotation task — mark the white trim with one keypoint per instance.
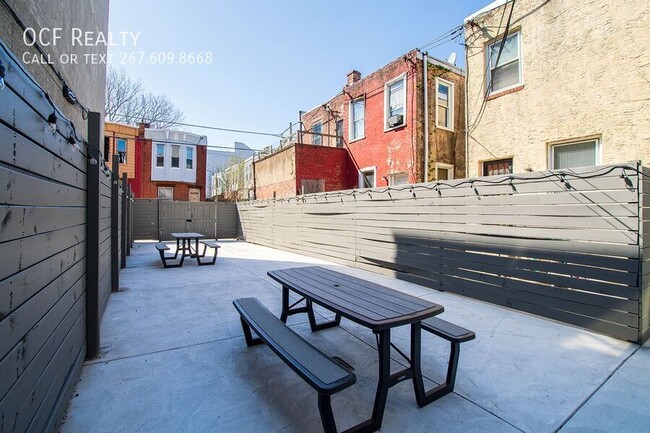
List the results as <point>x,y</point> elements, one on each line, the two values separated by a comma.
<point>598,149</point>
<point>488,8</point>
<point>450,102</point>
<point>386,105</point>
<point>365,170</point>
<point>520,59</point>
<point>351,117</point>
<point>444,166</point>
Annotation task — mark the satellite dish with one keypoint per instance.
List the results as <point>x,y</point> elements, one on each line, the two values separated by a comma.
<point>452,58</point>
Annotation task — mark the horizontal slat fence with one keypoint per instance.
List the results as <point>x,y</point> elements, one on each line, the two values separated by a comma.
<point>45,252</point>
<point>567,246</point>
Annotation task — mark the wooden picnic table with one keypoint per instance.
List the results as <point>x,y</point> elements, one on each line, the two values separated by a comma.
<point>371,305</point>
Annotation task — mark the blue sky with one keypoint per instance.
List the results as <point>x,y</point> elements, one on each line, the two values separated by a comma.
<point>271,59</point>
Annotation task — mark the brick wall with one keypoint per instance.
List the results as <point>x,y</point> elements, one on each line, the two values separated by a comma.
<point>144,187</point>
<point>329,164</point>
<point>276,174</point>
<point>586,71</point>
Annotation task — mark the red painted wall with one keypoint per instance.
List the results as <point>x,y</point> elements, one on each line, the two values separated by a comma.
<point>319,162</point>
<point>392,151</point>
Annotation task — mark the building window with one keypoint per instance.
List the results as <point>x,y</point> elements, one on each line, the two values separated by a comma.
<point>367,178</point>
<point>121,150</point>
<point>166,193</point>
<point>189,158</point>
<point>444,171</point>
<point>394,103</point>
<point>317,130</point>
<point>575,154</point>
<point>508,73</point>
<point>160,155</point>
<point>339,133</point>
<point>176,154</point>
<point>444,104</point>
<point>397,179</point>
<point>499,166</point>
<point>358,114</point>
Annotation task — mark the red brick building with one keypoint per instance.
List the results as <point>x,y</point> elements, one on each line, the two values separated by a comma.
<point>169,165</point>
<point>395,125</point>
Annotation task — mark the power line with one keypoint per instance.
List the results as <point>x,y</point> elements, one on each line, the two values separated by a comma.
<point>192,125</point>
<point>445,35</point>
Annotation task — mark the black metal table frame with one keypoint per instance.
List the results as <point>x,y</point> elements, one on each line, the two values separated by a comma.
<point>386,379</point>
<point>184,244</point>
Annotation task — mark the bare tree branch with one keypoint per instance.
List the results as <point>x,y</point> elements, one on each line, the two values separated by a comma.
<point>127,103</point>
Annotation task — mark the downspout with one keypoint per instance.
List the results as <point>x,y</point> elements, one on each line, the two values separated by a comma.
<point>425,78</point>
<point>467,113</point>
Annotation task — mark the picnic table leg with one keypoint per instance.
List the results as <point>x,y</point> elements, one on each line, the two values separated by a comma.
<point>319,326</point>
<point>177,248</point>
<point>416,355</point>
<point>288,310</point>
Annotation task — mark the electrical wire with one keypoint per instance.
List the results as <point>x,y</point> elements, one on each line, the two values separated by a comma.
<point>562,175</point>
<point>193,125</point>
<point>84,110</point>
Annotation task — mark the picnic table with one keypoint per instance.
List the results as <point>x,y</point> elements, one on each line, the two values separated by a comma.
<point>184,243</point>
<point>371,305</point>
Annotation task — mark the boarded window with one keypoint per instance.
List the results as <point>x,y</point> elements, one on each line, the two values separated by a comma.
<point>570,155</point>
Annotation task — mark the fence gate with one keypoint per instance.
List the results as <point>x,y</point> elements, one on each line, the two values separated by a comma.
<point>185,216</point>
<point>145,219</point>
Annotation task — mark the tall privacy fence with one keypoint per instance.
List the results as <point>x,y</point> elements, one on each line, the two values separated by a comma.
<point>570,245</point>
<point>158,219</point>
<point>64,233</point>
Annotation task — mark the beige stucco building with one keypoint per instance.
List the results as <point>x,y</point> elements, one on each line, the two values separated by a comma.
<point>571,87</point>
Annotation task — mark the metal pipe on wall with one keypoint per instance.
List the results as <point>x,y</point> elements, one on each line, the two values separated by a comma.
<point>425,69</point>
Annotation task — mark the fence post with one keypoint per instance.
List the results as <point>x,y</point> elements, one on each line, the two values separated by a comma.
<point>129,221</point>
<point>125,207</point>
<point>92,237</point>
<point>115,221</point>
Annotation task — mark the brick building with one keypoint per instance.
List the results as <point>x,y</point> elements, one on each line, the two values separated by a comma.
<point>570,87</point>
<point>169,165</point>
<point>380,123</point>
<point>119,139</point>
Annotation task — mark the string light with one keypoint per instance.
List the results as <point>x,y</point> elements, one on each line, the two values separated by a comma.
<point>51,122</point>
<point>2,75</point>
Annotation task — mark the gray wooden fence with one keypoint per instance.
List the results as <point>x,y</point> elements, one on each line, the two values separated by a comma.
<point>59,247</point>
<point>572,247</point>
<point>157,219</point>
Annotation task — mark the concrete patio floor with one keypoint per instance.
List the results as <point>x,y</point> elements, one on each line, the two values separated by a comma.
<point>173,359</point>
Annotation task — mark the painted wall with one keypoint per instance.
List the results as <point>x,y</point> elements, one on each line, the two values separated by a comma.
<point>114,131</point>
<point>585,71</point>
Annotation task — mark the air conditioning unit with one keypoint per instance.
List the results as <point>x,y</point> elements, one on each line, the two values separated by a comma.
<point>395,120</point>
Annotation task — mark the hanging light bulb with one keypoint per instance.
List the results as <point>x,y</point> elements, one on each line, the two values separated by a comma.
<point>73,141</point>
<point>2,76</point>
<point>93,161</point>
<point>51,121</point>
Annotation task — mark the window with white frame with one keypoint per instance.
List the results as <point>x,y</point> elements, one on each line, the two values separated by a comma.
<point>397,179</point>
<point>367,177</point>
<point>317,129</point>
<point>176,154</point>
<point>444,171</point>
<point>444,104</point>
<point>160,155</point>
<point>508,72</point>
<point>584,153</point>
<point>166,193</point>
<point>189,158</point>
<point>395,102</point>
<point>357,118</point>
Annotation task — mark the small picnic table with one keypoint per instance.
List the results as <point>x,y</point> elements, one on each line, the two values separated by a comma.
<point>184,243</point>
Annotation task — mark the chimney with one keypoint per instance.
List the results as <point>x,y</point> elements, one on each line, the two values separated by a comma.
<point>353,77</point>
<point>141,127</point>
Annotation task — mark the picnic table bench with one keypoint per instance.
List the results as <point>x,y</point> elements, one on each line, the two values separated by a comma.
<point>320,371</point>
<point>208,244</point>
<point>167,260</point>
